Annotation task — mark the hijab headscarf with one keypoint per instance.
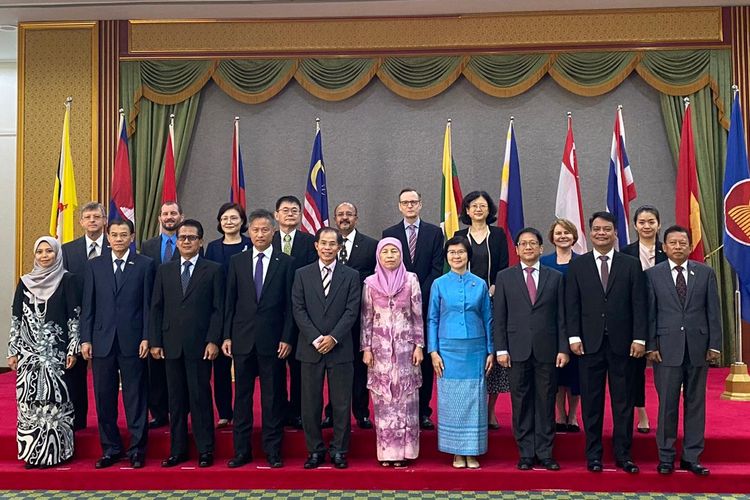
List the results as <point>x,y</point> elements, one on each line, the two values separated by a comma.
<point>386,281</point>
<point>43,282</point>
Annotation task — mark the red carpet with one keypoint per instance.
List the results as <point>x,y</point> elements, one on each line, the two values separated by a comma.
<point>727,454</point>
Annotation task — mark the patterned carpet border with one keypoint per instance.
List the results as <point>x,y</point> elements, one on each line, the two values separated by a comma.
<point>354,495</point>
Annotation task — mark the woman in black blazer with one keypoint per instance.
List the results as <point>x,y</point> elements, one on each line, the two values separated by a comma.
<point>647,248</point>
<point>490,256</point>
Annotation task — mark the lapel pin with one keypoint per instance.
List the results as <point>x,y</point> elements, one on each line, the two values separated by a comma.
<point>692,273</point>
<point>131,263</point>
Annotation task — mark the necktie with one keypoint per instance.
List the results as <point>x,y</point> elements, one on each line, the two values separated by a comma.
<point>92,250</point>
<point>343,255</point>
<point>604,271</point>
<point>118,273</point>
<point>530,285</point>
<point>326,280</point>
<point>287,249</point>
<point>412,241</point>
<point>168,250</point>
<point>259,276</point>
<point>185,276</point>
<point>681,285</point>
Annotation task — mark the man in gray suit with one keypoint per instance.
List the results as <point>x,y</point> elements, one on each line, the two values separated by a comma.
<point>684,336</point>
<point>531,340</point>
<point>325,305</point>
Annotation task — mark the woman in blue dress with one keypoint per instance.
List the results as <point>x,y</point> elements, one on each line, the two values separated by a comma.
<point>459,340</point>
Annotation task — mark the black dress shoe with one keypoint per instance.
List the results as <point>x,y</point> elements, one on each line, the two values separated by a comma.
<point>294,422</point>
<point>549,464</point>
<point>137,461</point>
<point>364,423</point>
<point>573,428</point>
<point>206,459</point>
<point>108,461</point>
<point>595,466</point>
<point>525,464</point>
<point>426,424</point>
<point>628,466</point>
<point>274,461</point>
<point>561,427</point>
<point>326,423</point>
<point>339,461</point>
<point>239,460</point>
<point>314,460</point>
<point>173,460</point>
<point>157,422</point>
<point>695,468</point>
<point>29,466</point>
<point>665,468</point>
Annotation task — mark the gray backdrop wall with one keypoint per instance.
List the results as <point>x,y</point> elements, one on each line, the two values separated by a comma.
<point>376,142</point>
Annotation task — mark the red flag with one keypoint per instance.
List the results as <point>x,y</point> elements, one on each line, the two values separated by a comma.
<point>121,200</point>
<point>687,208</point>
<point>169,187</point>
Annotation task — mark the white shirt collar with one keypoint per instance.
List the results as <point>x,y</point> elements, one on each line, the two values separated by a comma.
<point>609,254</point>
<point>330,266</point>
<point>290,233</point>
<point>535,266</point>
<point>673,264</point>
<point>192,261</point>
<point>124,256</point>
<point>99,242</point>
<point>266,253</point>
<point>416,223</point>
<point>351,236</point>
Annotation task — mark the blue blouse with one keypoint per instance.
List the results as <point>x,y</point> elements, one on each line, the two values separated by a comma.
<point>550,260</point>
<point>222,253</point>
<point>459,309</point>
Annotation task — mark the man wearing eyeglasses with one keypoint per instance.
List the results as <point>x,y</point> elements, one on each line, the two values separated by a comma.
<point>187,315</point>
<point>423,255</point>
<point>76,255</point>
<point>301,246</point>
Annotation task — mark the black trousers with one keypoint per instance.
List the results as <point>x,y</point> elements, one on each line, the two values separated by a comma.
<point>77,380</point>
<point>108,372</point>
<point>533,385</point>
<point>360,394</point>
<point>294,405</point>
<point>595,370</point>
<point>223,386</point>
<point>639,382</point>
<point>270,370</point>
<point>339,393</point>
<point>158,394</point>
<point>189,382</point>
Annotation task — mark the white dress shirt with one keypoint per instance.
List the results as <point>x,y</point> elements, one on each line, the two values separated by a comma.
<point>266,260</point>
<point>99,242</point>
<point>124,260</point>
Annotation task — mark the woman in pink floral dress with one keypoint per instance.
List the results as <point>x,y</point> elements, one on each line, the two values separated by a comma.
<point>392,340</point>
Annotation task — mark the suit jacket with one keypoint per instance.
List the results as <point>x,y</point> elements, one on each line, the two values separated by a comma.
<point>498,246</point>
<point>317,314</point>
<point>672,326</point>
<point>262,325</point>
<point>182,324</point>
<point>362,258</point>
<point>622,310</point>
<point>303,248</point>
<point>634,250</point>
<point>110,313</point>
<point>428,257</point>
<point>524,329</point>
<point>76,256</point>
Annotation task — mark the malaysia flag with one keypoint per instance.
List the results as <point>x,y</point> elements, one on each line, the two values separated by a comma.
<point>315,210</point>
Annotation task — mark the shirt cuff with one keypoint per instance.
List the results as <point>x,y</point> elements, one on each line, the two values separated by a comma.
<point>574,340</point>
<point>715,350</point>
<point>501,353</point>
<point>637,341</point>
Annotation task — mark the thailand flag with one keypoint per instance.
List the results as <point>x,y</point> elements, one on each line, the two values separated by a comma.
<point>510,208</point>
<point>620,186</point>
<point>121,203</point>
<point>237,190</point>
<point>315,210</point>
<point>568,204</point>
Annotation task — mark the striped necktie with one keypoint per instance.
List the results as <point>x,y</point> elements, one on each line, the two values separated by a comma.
<point>412,241</point>
<point>326,280</point>
<point>92,250</point>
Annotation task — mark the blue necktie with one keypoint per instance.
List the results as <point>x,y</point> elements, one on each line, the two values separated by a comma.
<point>168,251</point>
<point>259,276</point>
<point>118,273</point>
<point>185,277</point>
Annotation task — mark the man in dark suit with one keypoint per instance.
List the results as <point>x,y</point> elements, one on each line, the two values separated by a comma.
<point>325,303</point>
<point>357,252</point>
<point>161,248</point>
<point>684,336</point>
<point>114,335</point>
<point>76,254</point>
<point>187,316</point>
<point>605,299</point>
<point>257,335</point>
<point>291,241</point>
<point>423,255</point>
<point>530,339</point>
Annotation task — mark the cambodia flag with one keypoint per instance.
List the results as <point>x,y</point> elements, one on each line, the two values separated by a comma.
<point>620,185</point>
<point>510,208</point>
<point>315,210</point>
<point>121,203</point>
<point>169,187</point>
<point>237,190</point>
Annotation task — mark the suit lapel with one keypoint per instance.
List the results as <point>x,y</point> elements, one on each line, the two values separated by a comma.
<point>127,270</point>
<point>543,276</point>
<point>614,269</point>
<point>336,281</point>
<point>521,279</point>
<point>405,246</point>
<point>273,266</point>
<point>200,268</point>
<point>667,277</point>
<point>690,269</point>
<point>355,246</point>
<point>593,265</point>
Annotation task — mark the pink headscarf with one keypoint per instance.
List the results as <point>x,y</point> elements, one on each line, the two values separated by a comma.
<point>385,281</point>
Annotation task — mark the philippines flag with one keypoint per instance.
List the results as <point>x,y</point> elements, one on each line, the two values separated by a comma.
<point>510,208</point>
<point>121,203</point>
<point>169,187</point>
<point>620,186</point>
<point>568,204</point>
<point>237,190</point>
<point>315,210</point>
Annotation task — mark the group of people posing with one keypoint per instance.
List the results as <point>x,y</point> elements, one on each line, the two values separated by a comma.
<point>276,304</point>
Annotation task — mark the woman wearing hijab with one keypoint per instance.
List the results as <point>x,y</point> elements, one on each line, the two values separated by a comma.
<point>392,340</point>
<point>43,343</point>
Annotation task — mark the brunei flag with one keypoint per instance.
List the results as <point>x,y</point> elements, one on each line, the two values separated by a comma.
<point>687,209</point>
<point>451,198</point>
<point>64,199</point>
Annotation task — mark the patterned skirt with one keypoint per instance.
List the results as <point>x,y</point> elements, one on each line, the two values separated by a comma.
<point>396,426</point>
<point>498,380</point>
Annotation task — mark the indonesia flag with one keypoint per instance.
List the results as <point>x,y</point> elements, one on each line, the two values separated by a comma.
<point>568,204</point>
<point>169,187</point>
<point>121,203</point>
<point>620,186</point>
<point>237,191</point>
<point>510,208</point>
<point>315,210</point>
